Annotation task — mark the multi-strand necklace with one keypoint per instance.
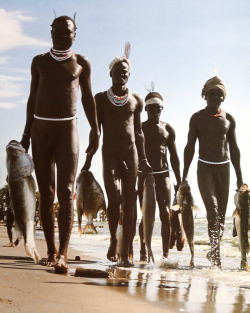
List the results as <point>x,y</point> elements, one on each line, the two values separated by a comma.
<point>213,115</point>
<point>116,100</point>
<point>60,55</point>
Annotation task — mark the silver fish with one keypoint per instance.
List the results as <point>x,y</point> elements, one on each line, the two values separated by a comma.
<point>186,204</point>
<point>148,212</point>
<point>242,222</point>
<point>89,200</point>
<point>22,194</point>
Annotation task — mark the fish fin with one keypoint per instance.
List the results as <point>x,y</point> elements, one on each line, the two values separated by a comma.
<point>175,207</point>
<point>33,253</point>
<point>195,208</point>
<point>89,229</point>
<point>236,212</point>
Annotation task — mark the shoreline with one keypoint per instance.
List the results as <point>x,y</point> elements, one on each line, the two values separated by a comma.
<point>28,287</point>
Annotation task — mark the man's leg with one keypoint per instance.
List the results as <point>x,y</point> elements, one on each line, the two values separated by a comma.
<point>222,194</point>
<point>111,179</point>
<point>129,204</point>
<point>163,196</point>
<point>143,254</point>
<point>42,150</point>
<point>67,153</point>
<point>207,187</point>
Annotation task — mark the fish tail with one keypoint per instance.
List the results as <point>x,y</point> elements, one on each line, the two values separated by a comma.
<point>89,229</point>
<point>150,255</point>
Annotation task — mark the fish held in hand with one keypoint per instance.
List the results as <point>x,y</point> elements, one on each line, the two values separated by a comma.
<point>148,212</point>
<point>89,200</point>
<point>242,222</point>
<point>186,205</point>
<point>22,194</point>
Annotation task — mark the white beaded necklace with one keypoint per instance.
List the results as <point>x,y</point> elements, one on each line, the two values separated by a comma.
<point>60,55</point>
<point>116,100</point>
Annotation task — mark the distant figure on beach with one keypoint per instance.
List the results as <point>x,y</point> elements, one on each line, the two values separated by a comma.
<point>118,112</point>
<point>159,137</point>
<point>215,131</point>
<point>51,124</point>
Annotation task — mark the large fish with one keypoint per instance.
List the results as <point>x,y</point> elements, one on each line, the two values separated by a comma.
<point>242,222</point>
<point>22,194</point>
<point>89,200</point>
<point>185,202</point>
<point>148,212</point>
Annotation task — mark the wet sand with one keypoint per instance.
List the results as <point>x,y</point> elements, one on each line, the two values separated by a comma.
<point>29,287</point>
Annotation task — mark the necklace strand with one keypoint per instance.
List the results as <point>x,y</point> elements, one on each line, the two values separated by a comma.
<point>213,115</point>
<point>60,55</point>
<point>116,100</point>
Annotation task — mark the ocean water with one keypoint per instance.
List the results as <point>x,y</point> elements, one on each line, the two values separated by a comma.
<point>171,282</point>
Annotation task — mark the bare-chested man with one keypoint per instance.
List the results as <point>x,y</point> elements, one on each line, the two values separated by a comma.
<point>159,137</point>
<point>215,131</point>
<point>118,112</point>
<point>51,124</point>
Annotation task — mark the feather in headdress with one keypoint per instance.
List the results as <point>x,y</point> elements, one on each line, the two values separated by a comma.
<point>127,49</point>
<point>74,18</point>
<point>54,13</point>
<point>151,88</point>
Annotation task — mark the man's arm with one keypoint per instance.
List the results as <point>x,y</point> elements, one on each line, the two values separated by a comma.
<point>174,159</point>
<point>139,137</point>
<point>25,141</point>
<point>89,105</point>
<point>234,150</point>
<point>190,148</point>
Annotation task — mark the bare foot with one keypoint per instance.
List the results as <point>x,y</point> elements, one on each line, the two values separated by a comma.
<point>10,244</point>
<point>51,260</point>
<point>61,264</point>
<point>125,263</point>
<point>111,255</point>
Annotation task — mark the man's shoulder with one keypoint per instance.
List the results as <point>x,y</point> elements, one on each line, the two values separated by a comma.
<point>41,57</point>
<point>101,95</point>
<point>82,60</point>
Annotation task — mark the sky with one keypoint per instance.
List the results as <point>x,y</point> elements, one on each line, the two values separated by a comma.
<point>177,44</point>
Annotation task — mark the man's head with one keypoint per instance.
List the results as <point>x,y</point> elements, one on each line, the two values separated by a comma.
<point>214,92</point>
<point>120,73</point>
<point>154,106</point>
<point>63,32</point>
<point>214,83</point>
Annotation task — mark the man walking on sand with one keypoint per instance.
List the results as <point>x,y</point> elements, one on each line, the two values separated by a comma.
<point>51,125</point>
<point>118,112</point>
<point>159,138</point>
<point>215,131</point>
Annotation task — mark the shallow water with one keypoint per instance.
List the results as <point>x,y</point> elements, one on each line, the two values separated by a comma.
<point>172,282</point>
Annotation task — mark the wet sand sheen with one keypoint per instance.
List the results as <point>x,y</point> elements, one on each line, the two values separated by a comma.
<point>144,288</point>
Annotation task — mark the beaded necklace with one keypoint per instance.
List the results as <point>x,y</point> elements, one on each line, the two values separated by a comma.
<point>116,100</point>
<point>60,55</point>
<point>213,115</point>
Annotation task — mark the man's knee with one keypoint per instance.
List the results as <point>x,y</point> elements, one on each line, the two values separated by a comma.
<point>65,195</point>
<point>212,214</point>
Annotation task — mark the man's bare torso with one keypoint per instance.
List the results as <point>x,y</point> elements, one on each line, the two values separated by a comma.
<point>212,133</point>
<point>58,85</point>
<point>156,140</point>
<point>117,123</point>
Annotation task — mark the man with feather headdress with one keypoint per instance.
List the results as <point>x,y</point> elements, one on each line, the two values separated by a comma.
<point>118,112</point>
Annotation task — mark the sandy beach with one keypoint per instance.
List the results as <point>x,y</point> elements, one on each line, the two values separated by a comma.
<point>29,287</point>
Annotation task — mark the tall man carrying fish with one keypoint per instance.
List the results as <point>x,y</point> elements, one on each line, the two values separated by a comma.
<point>215,131</point>
<point>118,112</point>
<point>51,125</point>
<point>159,137</point>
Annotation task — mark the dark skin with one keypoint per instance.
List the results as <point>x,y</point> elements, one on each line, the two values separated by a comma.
<point>217,142</point>
<point>123,143</point>
<point>53,94</point>
<point>159,138</point>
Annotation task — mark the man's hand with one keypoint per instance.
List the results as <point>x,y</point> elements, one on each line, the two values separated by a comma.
<point>25,142</point>
<point>145,167</point>
<point>94,138</point>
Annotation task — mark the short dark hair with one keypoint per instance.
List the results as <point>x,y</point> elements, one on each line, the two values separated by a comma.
<point>63,18</point>
<point>153,94</point>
